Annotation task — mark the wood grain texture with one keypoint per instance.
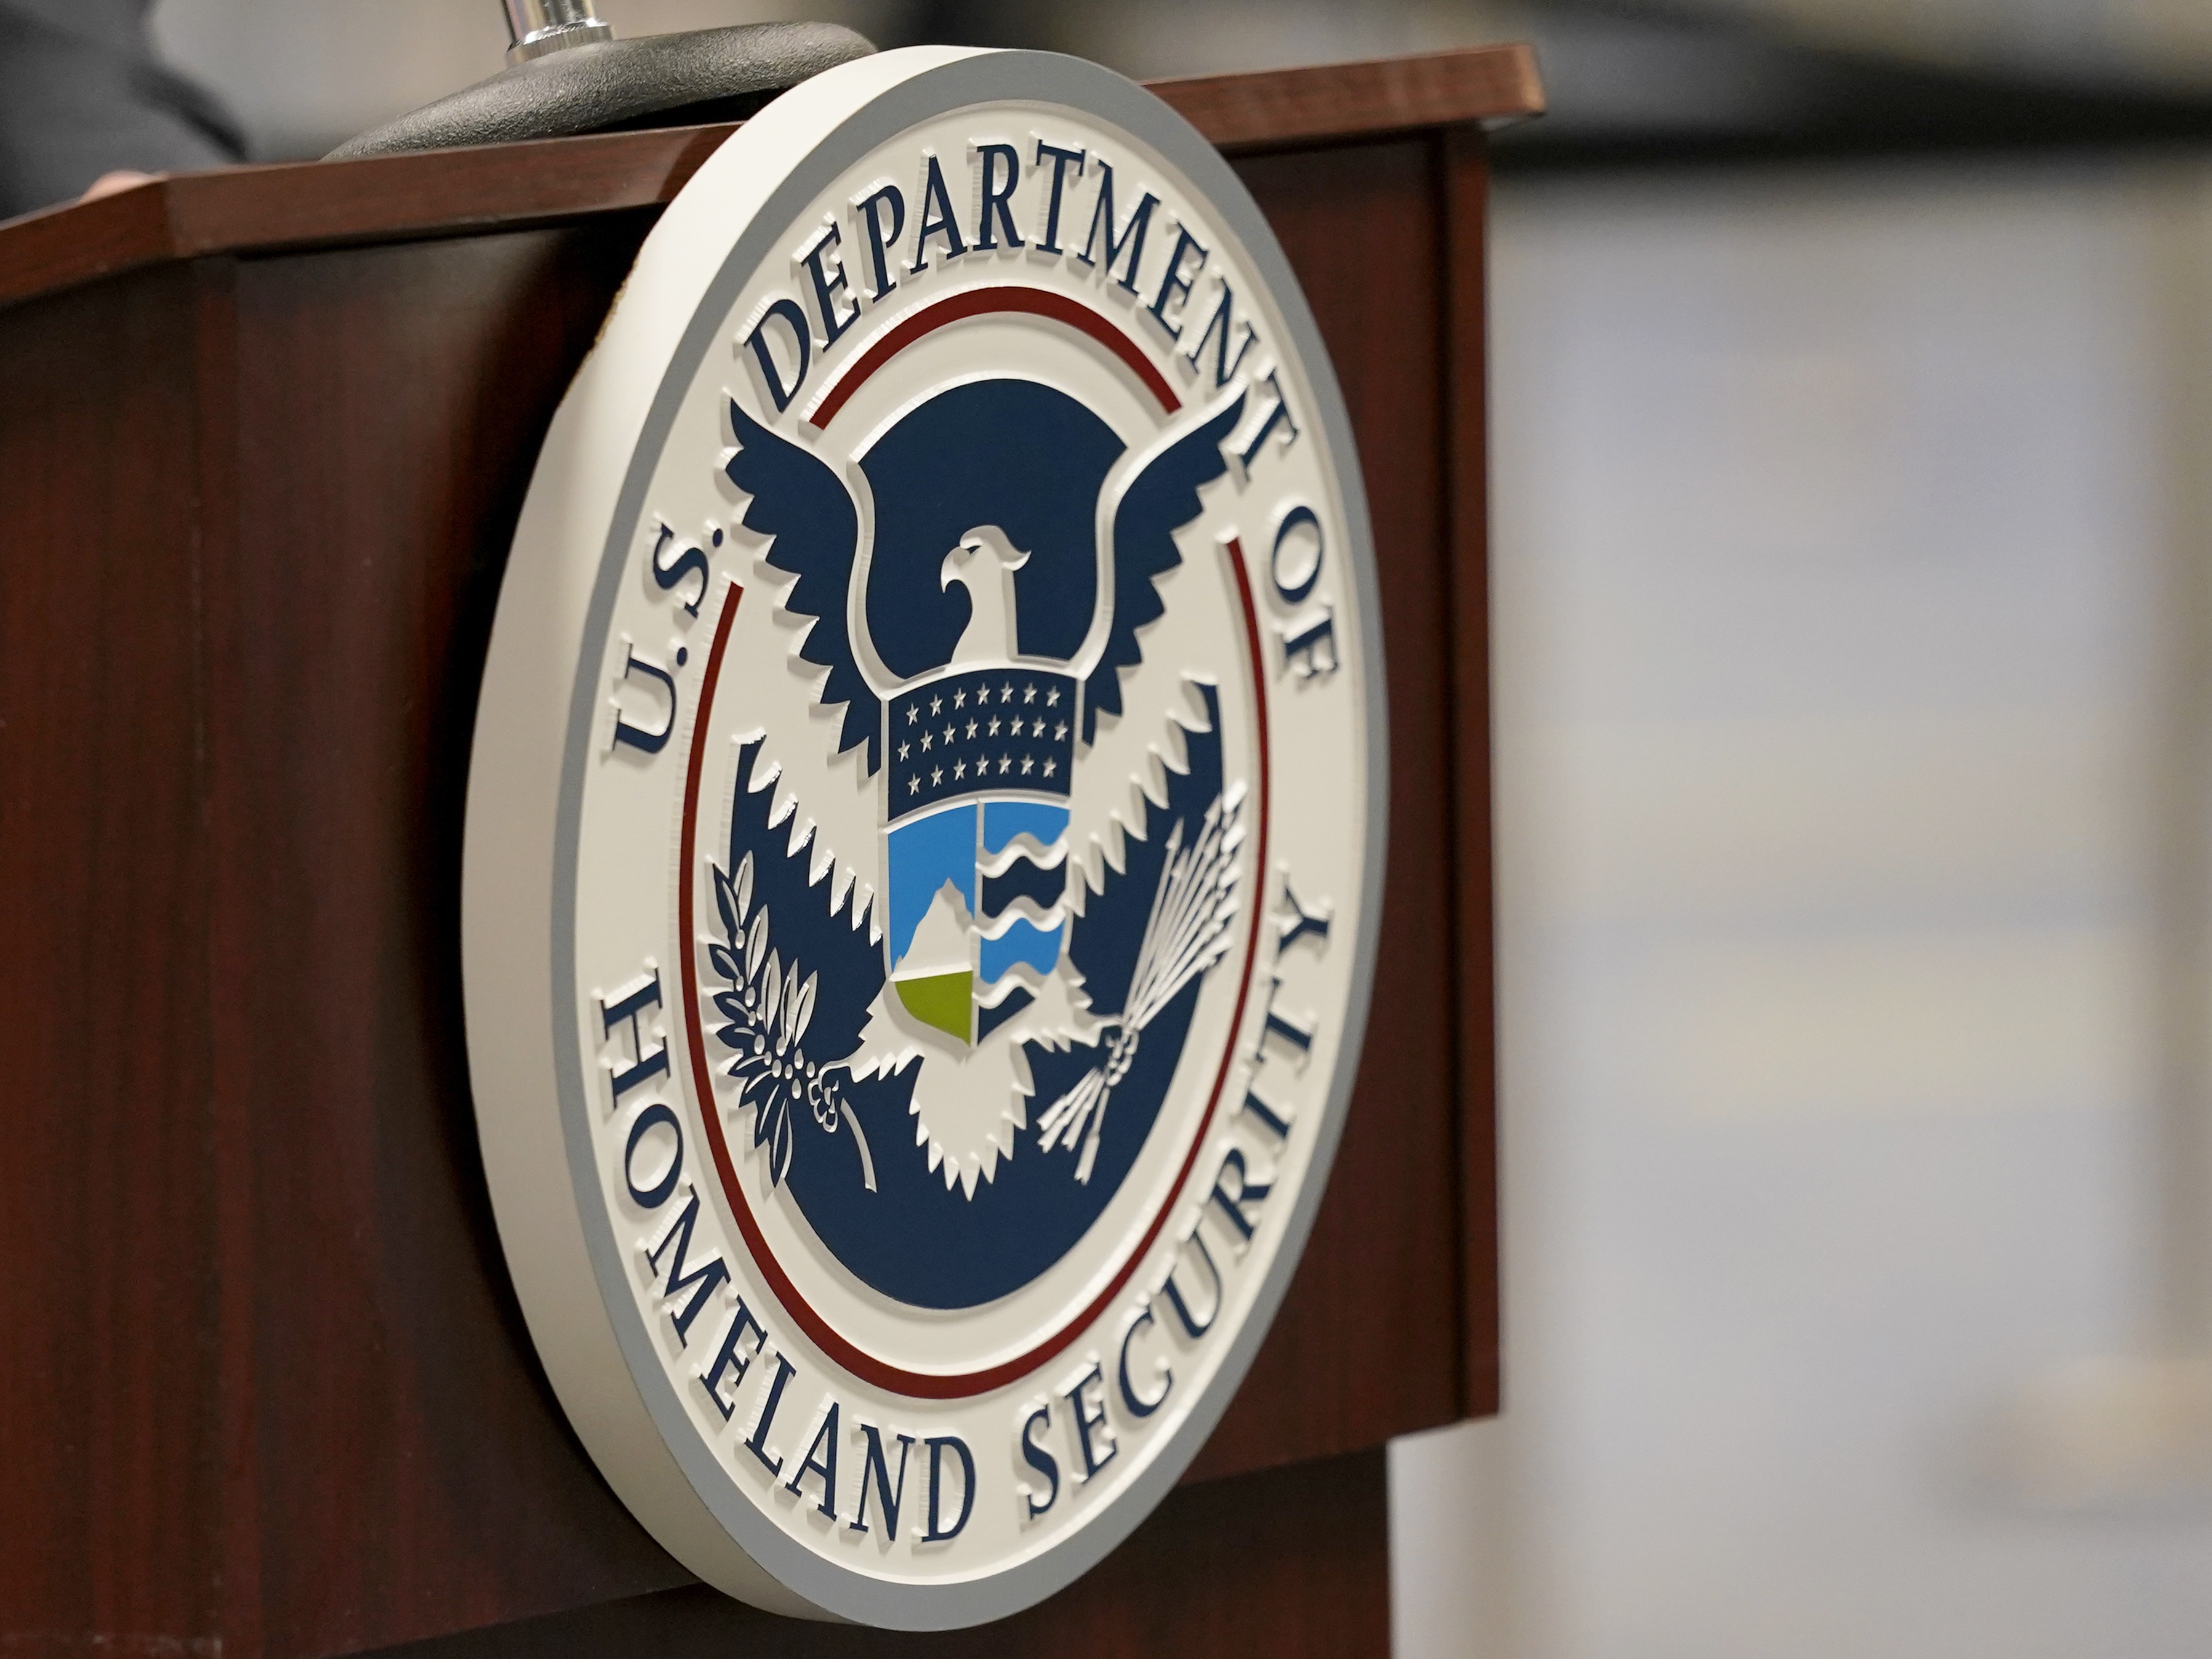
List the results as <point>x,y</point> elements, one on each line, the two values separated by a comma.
<point>390,403</point>
<point>263,210</point>
<point>509,187</point>
<point>271,1389</point>
<point>1360,101</point>
<point>110,1465</point>
<point>1293,1564</point>
<point>1464,182</point>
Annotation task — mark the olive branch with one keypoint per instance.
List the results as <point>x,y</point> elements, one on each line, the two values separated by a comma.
<point>768,1006</point>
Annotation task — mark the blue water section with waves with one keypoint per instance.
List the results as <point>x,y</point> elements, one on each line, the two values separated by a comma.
<point>1022,941</point>
<point>1004,819</point>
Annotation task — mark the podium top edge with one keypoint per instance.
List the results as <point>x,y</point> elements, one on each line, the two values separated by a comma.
<point>434,193</point>
<point>1488,85</point>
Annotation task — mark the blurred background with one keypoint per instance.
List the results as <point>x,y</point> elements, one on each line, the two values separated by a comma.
<point>1852,390</point>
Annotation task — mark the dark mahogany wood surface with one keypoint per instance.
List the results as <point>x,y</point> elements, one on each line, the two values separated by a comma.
<point>268,1391</point>
<point>1484,85</point>
<point>1463,163</point>
<point>1290,1565</point>
<point>258,209</point>
<point>111,1466</point>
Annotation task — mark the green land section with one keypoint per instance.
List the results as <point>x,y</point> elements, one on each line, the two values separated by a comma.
<point>941,999</point>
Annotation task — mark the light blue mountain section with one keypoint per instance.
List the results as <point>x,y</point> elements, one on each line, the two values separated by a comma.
<point>924,855</point>
<point>1022,941</point>
<point>1004,819</point>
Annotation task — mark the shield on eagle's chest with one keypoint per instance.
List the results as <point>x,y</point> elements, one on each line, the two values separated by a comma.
<point>976,850</point>
<point>990,487</point>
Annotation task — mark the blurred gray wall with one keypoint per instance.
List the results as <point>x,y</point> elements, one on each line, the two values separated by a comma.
<point>1836,515</point>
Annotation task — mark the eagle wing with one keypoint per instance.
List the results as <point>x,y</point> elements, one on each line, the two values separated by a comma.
<point>1159,501</point>
<point>804,506</point>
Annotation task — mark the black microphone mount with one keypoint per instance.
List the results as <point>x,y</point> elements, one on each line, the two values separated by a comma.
<point>567,73</point>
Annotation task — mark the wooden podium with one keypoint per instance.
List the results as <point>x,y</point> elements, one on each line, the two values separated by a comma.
<point>264,435</point>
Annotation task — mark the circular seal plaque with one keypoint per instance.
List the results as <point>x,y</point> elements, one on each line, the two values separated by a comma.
<point>925,834</point>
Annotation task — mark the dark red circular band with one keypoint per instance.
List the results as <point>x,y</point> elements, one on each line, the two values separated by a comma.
<point>931,1385</point>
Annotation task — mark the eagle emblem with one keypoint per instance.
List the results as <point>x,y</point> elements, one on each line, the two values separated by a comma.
<point>952,1072</point>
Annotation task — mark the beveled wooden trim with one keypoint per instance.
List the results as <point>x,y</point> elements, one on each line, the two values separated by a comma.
<point>385,198</point>
<point>1485,84</point>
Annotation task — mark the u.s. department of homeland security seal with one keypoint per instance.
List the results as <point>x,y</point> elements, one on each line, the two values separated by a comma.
<point>925,837</point>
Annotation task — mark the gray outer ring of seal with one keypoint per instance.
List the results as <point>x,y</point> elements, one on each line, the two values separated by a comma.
<point>993,77</point>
